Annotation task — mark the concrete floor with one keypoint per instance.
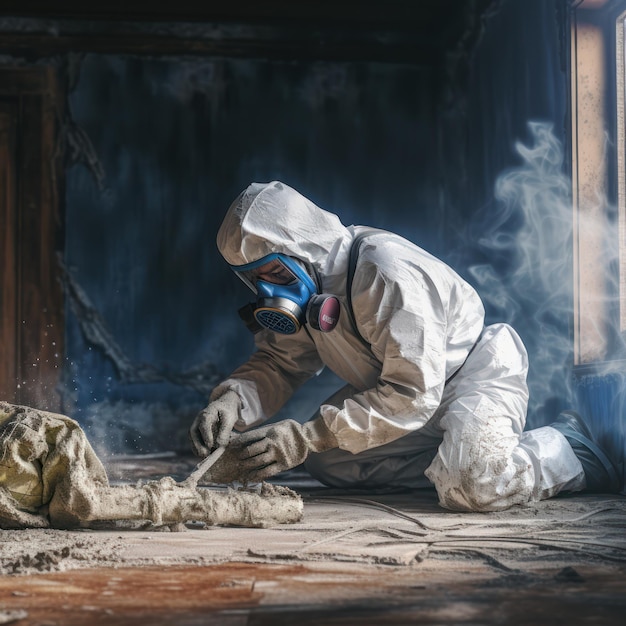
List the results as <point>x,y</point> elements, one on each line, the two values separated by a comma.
<point>356,558</point>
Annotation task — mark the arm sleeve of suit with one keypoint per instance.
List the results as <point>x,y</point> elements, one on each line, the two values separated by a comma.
<point>420,321</point>
<point>278,367</point>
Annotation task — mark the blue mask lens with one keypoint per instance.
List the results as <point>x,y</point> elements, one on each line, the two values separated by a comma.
<point>297,291</point>
<point>286,267</point>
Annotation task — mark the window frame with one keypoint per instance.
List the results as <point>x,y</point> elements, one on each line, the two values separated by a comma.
<point>598,179</point>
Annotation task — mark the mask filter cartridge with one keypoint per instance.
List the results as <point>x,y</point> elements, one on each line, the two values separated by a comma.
<point>323,312</point>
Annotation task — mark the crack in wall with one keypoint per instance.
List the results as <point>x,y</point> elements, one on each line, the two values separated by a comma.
<point>201,377</point>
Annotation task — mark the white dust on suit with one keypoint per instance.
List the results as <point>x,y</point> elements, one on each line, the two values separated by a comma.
<point>398,421</point>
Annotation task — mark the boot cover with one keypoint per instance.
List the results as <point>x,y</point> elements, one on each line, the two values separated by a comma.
<point>600,472</point>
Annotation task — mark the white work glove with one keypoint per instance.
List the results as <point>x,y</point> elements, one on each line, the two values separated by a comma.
<point>213,425</point>
<point>267,451</point>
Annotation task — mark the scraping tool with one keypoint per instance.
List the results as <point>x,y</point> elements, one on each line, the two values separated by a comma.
<point>202,468</point>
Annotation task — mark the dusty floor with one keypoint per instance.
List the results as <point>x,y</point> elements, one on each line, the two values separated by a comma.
<point>356,558</point>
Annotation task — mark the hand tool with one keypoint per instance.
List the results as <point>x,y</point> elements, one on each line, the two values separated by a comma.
<point>202,468</point>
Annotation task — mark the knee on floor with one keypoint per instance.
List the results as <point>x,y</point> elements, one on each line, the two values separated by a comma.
<point>470,489</point>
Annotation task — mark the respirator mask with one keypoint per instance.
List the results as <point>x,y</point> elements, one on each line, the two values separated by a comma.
<point>287,297</point>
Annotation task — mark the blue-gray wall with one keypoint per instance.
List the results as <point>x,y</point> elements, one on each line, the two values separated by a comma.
<point>177,140</point>
<point>394,146</point>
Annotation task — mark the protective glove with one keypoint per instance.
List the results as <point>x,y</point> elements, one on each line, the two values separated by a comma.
<point>213,425</point>
<point>267,451</point>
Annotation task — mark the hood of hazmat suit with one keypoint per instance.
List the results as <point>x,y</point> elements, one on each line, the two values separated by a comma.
<point>419,317</point>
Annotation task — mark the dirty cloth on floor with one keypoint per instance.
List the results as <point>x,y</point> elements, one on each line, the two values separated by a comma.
<point>50,476</point>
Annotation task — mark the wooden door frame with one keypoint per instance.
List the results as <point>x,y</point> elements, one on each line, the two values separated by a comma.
<point>31,223</point>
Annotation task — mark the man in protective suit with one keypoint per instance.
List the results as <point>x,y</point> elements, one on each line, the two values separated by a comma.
<point>432,395</point>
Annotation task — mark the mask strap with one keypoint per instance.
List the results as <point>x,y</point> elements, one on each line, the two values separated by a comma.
<point>246,313</point>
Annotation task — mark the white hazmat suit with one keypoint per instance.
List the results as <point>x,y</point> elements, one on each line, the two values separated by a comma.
<point>435,396</point>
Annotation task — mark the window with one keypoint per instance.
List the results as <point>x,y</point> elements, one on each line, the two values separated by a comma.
<point>598,179</point>
<point>620,81</point>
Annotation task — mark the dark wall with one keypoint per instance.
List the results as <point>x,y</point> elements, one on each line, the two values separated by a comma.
<point>167,143</point>
<point>175,141</point>
<point>510,183</point>
<point>178,139</point>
